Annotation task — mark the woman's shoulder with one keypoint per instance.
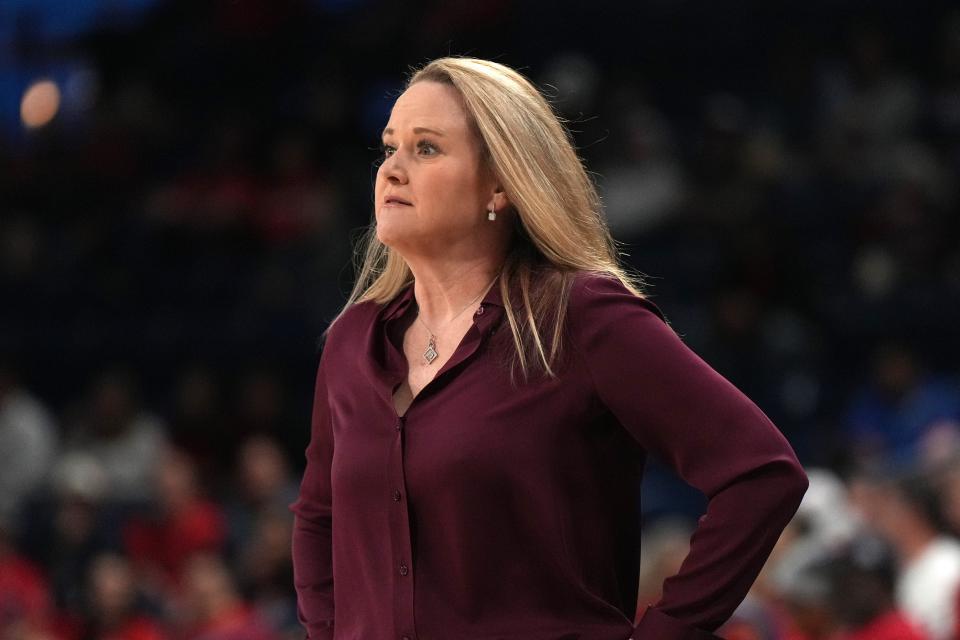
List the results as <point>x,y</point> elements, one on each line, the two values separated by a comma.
<point>352,321</point>
<point>602,292</point>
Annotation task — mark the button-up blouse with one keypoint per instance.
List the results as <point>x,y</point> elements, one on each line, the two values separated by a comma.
<point>490,511</point>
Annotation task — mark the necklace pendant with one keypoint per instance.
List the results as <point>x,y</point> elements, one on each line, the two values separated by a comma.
<point>431,352</point>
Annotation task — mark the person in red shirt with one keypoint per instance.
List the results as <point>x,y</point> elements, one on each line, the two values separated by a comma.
<point>486,401</point>
<point>185,523</point>
<point>863,580</point>
<point>212,608</point>
<point>25,602</point>
<point>112,611</point>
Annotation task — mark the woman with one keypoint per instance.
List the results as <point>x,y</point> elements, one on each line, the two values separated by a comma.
<point>487,398</point>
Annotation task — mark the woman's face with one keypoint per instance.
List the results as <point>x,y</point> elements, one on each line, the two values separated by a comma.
<point>432,164</point>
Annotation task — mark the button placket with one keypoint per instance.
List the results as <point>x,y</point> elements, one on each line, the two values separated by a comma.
<point>400,541</point>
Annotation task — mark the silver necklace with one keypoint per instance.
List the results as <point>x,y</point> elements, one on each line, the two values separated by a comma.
<point>430,353</point>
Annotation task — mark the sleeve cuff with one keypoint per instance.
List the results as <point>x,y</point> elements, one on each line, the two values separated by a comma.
<point>656,625</point>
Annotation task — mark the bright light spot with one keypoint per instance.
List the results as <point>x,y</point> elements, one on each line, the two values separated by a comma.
<point>40,104</point>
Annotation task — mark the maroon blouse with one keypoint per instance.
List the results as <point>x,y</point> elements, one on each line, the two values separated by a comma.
<point>490,512</point>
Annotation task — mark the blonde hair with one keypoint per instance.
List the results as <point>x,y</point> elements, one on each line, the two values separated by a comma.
<point>559,225</point>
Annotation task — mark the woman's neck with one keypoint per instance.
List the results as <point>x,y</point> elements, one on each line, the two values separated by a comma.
<point>443,294</point>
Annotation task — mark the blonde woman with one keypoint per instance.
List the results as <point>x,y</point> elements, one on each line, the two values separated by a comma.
<point>487,398</point>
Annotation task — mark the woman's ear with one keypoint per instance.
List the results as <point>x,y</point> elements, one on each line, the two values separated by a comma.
<point>499,201</point>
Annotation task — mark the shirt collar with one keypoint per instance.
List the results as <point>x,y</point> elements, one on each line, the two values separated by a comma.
<point>402,300</point>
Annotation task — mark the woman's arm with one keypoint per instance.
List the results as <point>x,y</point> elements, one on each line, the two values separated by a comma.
<point>717,439</point>
<point>312,549</point>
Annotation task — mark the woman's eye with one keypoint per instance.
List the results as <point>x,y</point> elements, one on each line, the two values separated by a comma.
<point>423,146</point>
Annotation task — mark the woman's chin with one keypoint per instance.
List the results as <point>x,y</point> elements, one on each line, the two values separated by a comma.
<point>392,235</point>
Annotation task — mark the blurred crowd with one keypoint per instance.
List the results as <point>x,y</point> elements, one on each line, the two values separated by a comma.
<point>115,528</point>
<point>173,242</point>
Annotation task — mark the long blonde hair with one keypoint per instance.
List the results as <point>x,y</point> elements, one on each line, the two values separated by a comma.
<point>559,225</point>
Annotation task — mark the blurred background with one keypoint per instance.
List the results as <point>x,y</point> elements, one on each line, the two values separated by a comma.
<point>180,186</point>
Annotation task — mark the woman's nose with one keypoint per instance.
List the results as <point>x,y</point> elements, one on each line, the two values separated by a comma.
<point>393,170</point>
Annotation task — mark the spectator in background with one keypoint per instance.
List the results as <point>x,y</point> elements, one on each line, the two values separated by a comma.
<point>198,425</point>
<point>947,485</point>
<point>870,107</point>
<point>862,587</point>
<point>788,599</point>
<point>263,483</point>
<point>805,588</point>
<point>826,518</point>
<point>114,609</point>
<point>25,604</point>
<point>211,606</point>
<point>70,527</point>
<point>261,403</point>
<point>644,184</point>
<point>928,559</point>
<point>28,441</point>
<point>298,203</point>
<point>266,571</point>
<point>260,529</point>
<point>183,523</point>
<point>217,196</point>
<point>751,621</point>
<point>124,439</point>
<point>948,488</point>
<point>892,414</point>
<point>764,613</point>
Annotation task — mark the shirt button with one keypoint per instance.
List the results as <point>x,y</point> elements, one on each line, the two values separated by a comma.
<point>396,496</point>
<point>403,569</point>
<point>480,311</point>
<point>408,638</point>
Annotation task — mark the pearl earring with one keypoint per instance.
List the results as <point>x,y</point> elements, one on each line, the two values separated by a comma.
<point>491,215</point>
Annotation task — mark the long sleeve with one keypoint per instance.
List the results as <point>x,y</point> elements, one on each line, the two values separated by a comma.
<point>685,413</point>
<point>312,541</point>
